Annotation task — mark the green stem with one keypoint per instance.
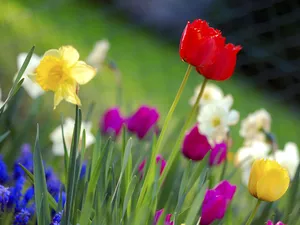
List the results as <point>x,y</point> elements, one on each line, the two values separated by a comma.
<point>162,134</point>
<point>173,106</point>
<point>249,221</point>
<point>224,169</point>
<point>182,133</point>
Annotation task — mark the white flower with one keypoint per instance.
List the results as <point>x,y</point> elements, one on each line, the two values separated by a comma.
<point>211,93</point>
<point>246,155</point>
<point>33,89</point>
<point>98,54</point>
<point>215,118</point>
<point>288,158</point>
<point>252,126</point>
<point>56,136</point>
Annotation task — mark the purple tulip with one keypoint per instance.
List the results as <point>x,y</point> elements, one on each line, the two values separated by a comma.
<point>216,201</point>
<point>112,122</point>
<point>159,159</point>
<point>167,220</point>
<point>218,154</point>
<point>195,145</point>
<point>271,223</point>
<point>142,121</point>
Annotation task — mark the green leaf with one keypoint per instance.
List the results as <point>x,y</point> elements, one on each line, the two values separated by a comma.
<point>124,164</point>
<point>95,174</point>
<point>193,214</point>
<point>3,136</point>
<point>66,154</point>
<point>72,176</point>
<point>293,191</point>
<point>128,195</point>
<point>51,200</point>
<point>40,186</point>
<point>18,82</point>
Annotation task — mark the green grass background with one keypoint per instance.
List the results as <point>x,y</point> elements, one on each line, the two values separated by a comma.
<point>151,67</point>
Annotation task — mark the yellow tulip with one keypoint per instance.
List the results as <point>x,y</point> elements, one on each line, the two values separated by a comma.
<point>268,180</point>
<point>61,71</point>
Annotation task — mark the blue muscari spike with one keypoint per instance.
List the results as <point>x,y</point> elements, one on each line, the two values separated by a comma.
<point>56,219</point>
<point>4,197</point>
<point>3,171</point>
<point>25,159</point>
<point>83,170</point>
<point>16,194</point>
<point>53,185</point>
<point>29,194</point>
<point>22,217</point>
<point>63,196</point>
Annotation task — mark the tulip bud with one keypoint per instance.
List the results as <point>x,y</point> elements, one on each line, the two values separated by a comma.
<point>142,121</point>
<point>195,145</point>
<point>200,43</point>
<point>268,180</point>
<point>112,121</point>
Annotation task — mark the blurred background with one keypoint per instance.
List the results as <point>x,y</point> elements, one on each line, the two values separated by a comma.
<point>144,37</point>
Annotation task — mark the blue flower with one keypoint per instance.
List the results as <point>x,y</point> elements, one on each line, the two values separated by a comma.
<point>22,218</point>
<point>4,197</point>
<point>29,194</point>
<point>63,196</point>
<point>53,185</point>
<point>56,219</point>
<point>16,194</point>
<point>83,170</point>
<point>25,159</point>
<point>3,171</point>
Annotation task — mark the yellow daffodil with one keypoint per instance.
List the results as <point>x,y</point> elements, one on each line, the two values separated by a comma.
<point>268,180</point>
<point>61,71</point>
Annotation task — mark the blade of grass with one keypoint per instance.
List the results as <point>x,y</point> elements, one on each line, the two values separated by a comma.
<point>71,182</point>
<point>51,200</point>
<point>40,186</point>
<point>3,136</point>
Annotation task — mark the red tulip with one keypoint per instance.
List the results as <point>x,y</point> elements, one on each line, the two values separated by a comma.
<point>199,43</point>
<point>224,64</point>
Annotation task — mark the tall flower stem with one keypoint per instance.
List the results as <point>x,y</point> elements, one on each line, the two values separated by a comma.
<point>163,132</point>
<point>172,108</point>
<point>182,132</point>
<point>249,221</point>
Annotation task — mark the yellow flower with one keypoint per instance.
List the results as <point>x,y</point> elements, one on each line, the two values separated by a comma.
<point>61,71</point>
<point>268,180</point>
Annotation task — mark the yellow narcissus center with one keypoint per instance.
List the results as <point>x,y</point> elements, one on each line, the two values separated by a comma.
<point>51,72</point>
<point>216,121</point>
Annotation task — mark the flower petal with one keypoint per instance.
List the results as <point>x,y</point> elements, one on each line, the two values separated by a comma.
<point>233,117</point>
<point>68,93</point>
<point>53,52</point>
<point>82,72</point>
<point>69,54</point>
<point>273,185</point>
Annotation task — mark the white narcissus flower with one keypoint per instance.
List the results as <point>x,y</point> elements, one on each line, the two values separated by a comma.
<point>56,136</point>
<point>211,93</point>
<point>246,155</point>
<point>98,54</point>
<point>215,118</point>
<point>288,158</point>
<point>33,89</point>
<point>254,123</point>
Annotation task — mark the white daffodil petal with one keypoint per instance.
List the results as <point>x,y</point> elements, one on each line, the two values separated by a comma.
<point>233,117</point>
